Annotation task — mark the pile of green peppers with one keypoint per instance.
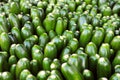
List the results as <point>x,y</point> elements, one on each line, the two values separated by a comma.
<point>59,39</point>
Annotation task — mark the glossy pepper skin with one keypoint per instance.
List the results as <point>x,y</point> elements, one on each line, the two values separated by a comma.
<point>109,36</point>
<point>53,77</point>
<point>69,35</point>
<point>43,75</point>
<point>30,41</point>
<point>4,41</point>
<point>31,77</point>
<point>2,29</point>
<point>75,60</point>
<point>12,70</point>
<point>58,41</point>
<point>65,54</point>
<point>43,39</point>
<point>12,38</point>
<point>115,76</point>
<point>49,23</point>
<point>25,8</point>
<point>73,43</point>
<point>88,75</point>
<point>116,8</point>
<point>81,21</point>
<point>46,63</point>
<point>2,61</point>
<point>36,22</point>
<point>115,43</point>
<point>72,25</point>
<point>92,62</point>
<point>103,67</point>
<point>14,21</point>
<point>91,49</point>
<point>12,49</point>
<point>25,18</point>
<point>98,33</point>
<point>37,54</point>
<point>7,76</point>
<point>12,60</point>
<point>25,32</point>
<point>14,8</point>
<point>116,59</point>
<point>57,73</point>
<point>68,71</point>
<point>59,26</point>
<point>34,66</point>
<point>21,51</point>
<point>40,30</point>
<point>16,32</point>
<point>85,37</point>
<point>22,64</point>
<point>34,12</point>
<point>104,50</point>
<point>29,25</point>
<point>117,68</point>
<point>24,73</point>
<point>3,24</point>
<point>83,61</point>
<point>103,78</point>
<point>52,34</point>
<point>55,65</point>
<point>50,50</point>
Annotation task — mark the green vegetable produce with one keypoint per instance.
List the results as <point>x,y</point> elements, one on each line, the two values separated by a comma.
<point>50,50</point>
<point>85,37</point>
<point>46,63</point>
<point>68,71</point>
<point>103,67</point>
<point>59,39</point>
<point>43,75</point>
<point>7,76</point>
<point>5,41</point>
<point>22,64</point>
<point>115,76</point>
<point>87,74</point>
<point>115,42</point>
<point>104,50</point>
<point>91,49</point>
<point>24,74</point>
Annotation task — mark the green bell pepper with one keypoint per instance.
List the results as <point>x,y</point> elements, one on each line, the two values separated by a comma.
<point>21,51</point>
<point>46,63</point>
<point>23,74</point>
<point>22,64</point>
<point>34,66</point>
<point>98,33</point>
<point>59,26</point>
<point>49,22</point>
<point>115,76</point>
<point>55,65</point>
<point>104,50</point>
<point>85,37</point>
<point>68,71</point>
<point>50,50</point>
<point>91,49</point>
<point>88,75</point>
<point>7,76</point>
<point>43,39</point>
<point>30,77</point>
<point>115,43</point>
<point>103,67</point>
<point>5,41</point>
<point>43,75</point>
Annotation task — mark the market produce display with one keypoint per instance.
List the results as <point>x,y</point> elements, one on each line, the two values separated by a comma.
<point>59,39</point>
